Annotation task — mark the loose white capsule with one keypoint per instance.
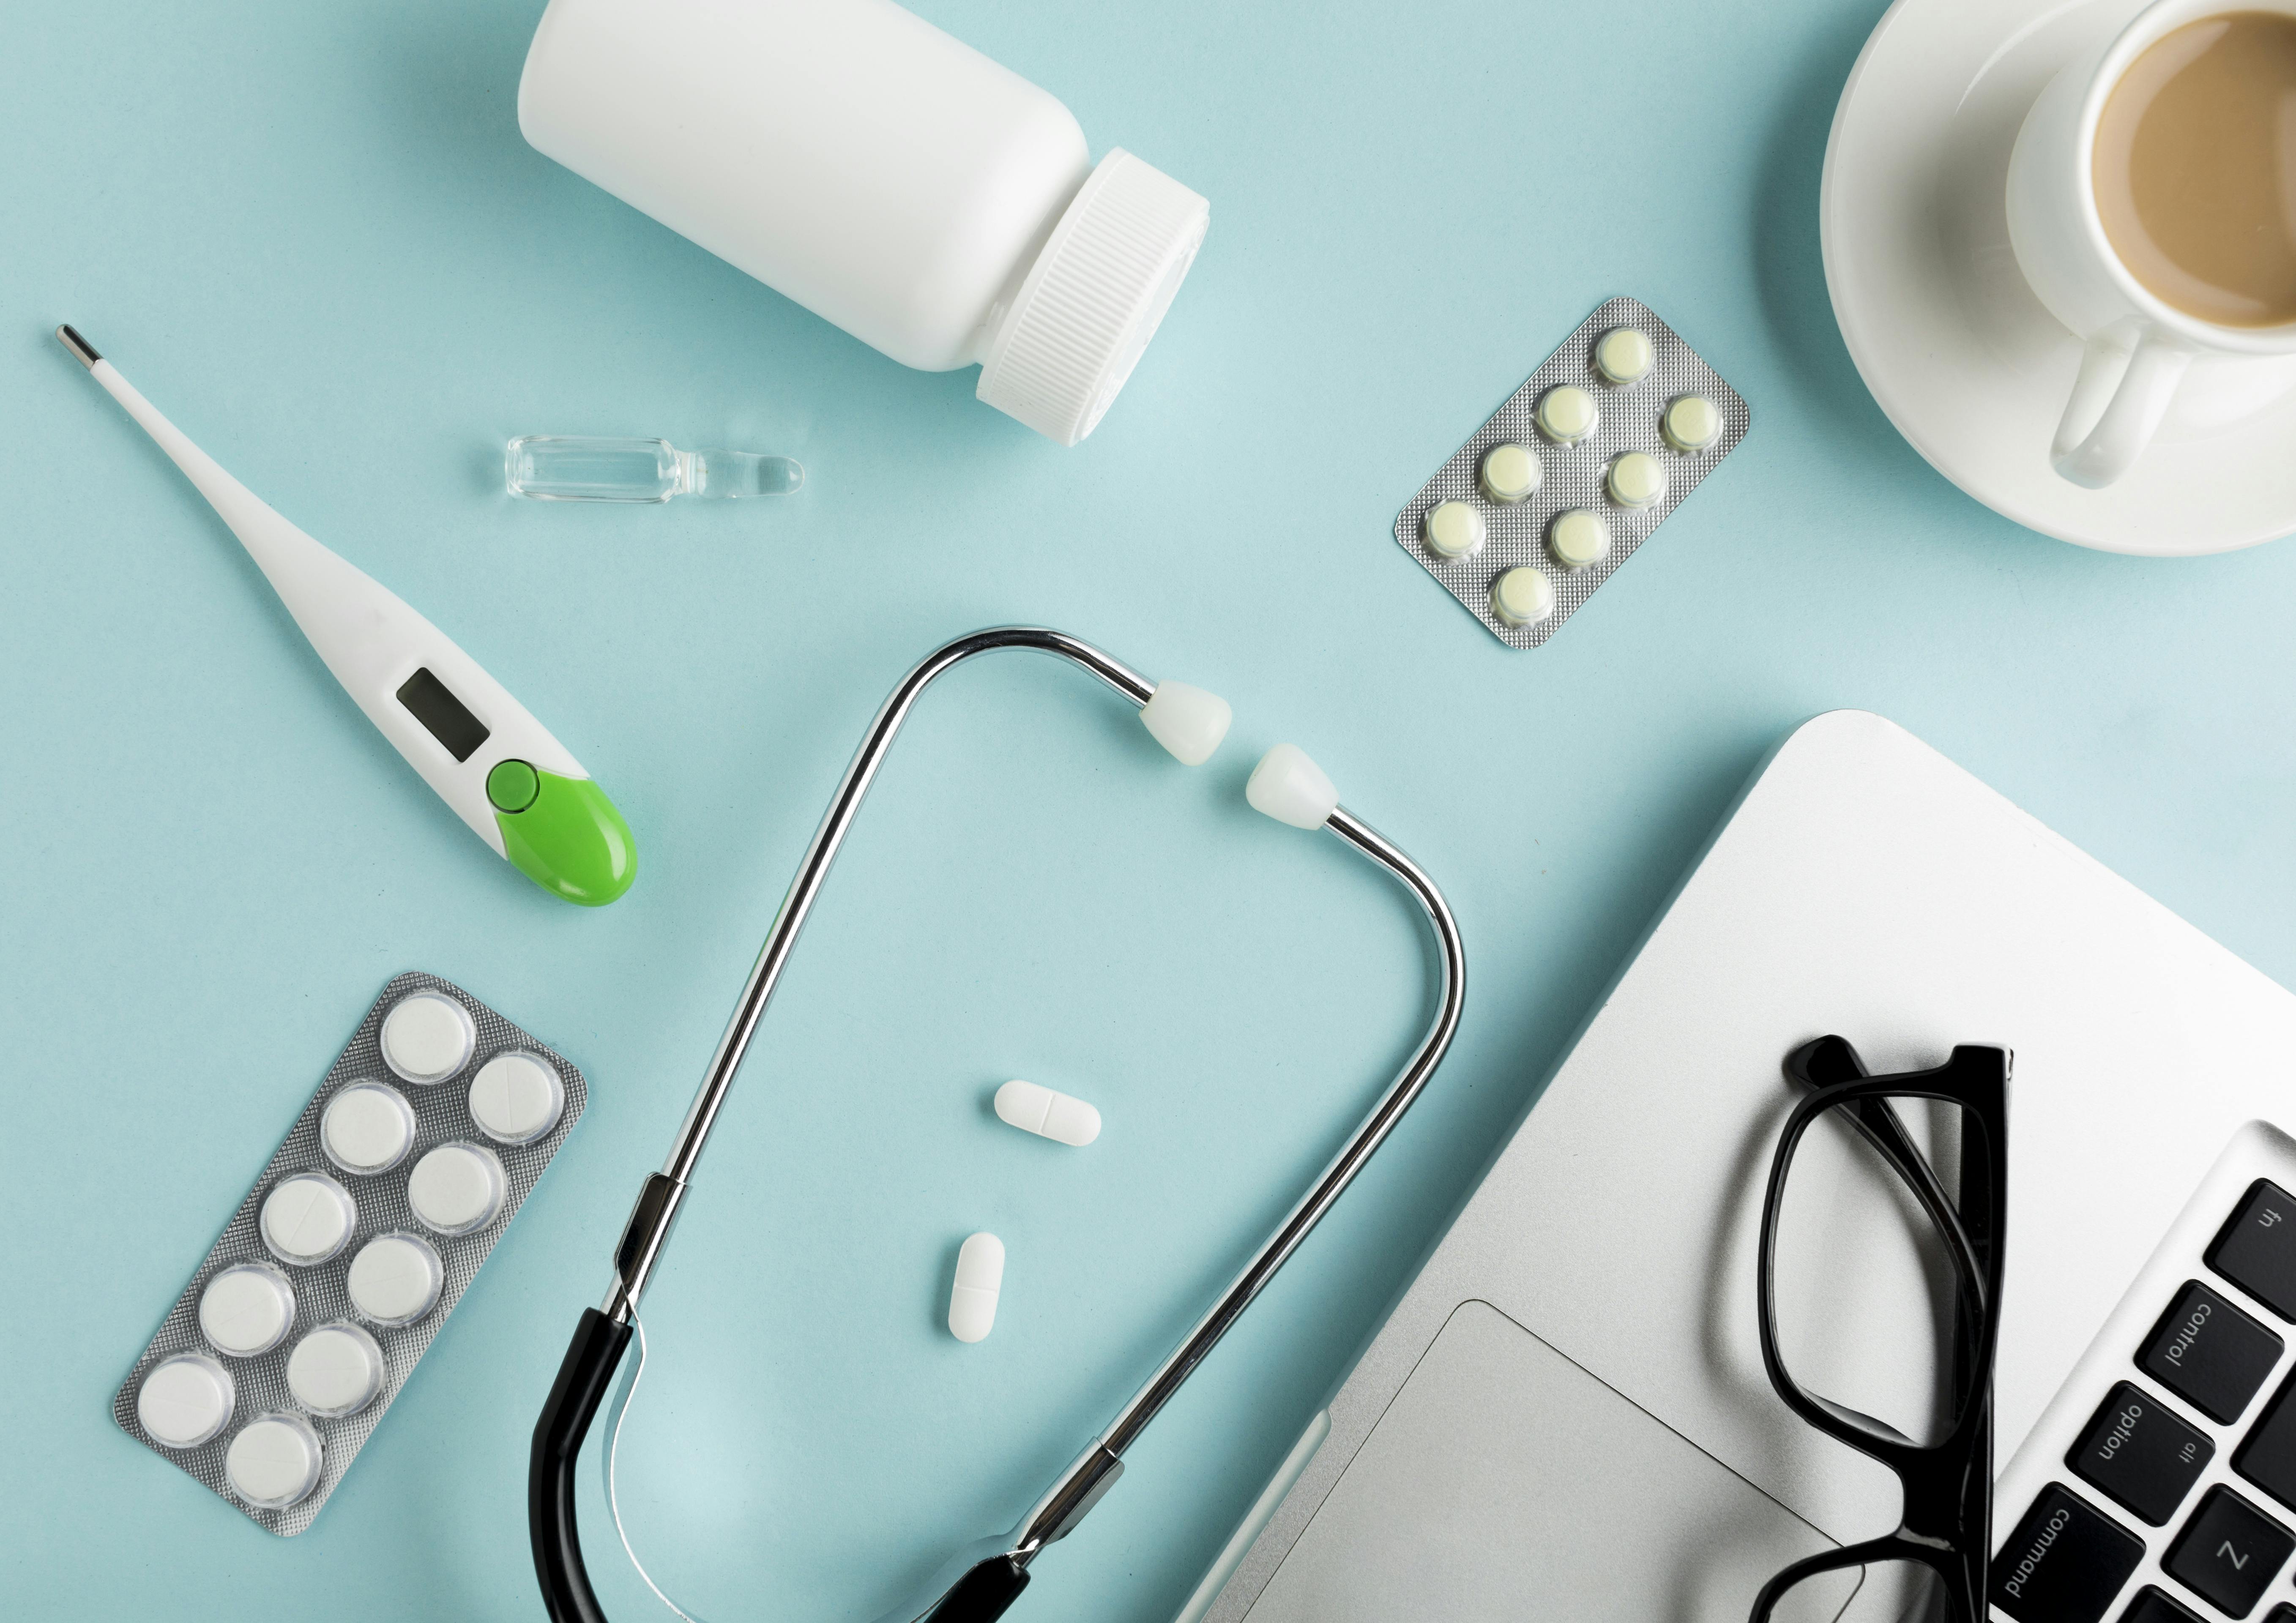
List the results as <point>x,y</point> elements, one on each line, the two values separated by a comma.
<point>980,1276</point>
<point>1049,1114</point>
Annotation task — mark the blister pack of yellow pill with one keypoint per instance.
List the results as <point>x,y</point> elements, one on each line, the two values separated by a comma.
<point>1563,482</point>
<point>371,1220</point>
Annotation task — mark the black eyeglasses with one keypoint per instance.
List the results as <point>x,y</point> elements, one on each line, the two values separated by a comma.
<point>1894,1144</point>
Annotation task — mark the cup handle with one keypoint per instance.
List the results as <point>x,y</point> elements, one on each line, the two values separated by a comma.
<point>2129,373</point>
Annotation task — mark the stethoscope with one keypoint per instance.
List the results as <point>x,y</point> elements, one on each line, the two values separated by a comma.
<point>980,1581</point>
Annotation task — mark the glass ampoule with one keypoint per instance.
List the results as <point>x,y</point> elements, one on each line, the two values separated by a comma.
<point>580,468</point>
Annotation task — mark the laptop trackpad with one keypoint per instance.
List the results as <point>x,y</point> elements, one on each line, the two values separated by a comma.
<point>1507,1482</point>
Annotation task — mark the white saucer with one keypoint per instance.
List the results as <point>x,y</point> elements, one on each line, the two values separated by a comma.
<point>1965,361</point>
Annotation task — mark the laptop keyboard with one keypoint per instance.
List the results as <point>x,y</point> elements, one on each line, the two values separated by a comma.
<point>2187,1393</point>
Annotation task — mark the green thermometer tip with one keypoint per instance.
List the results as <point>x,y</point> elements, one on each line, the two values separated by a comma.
<point>563,833</point>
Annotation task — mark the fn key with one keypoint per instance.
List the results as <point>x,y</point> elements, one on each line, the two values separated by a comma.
<point>2257,1249</point>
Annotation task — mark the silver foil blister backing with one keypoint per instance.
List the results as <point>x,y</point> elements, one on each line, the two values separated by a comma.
<point>441,1114</point>
<point>1629,417</point>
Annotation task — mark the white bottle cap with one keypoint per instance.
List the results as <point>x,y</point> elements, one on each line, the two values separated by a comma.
<point>1093,299</point>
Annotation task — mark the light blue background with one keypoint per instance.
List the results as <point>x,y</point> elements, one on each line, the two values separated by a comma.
<point>313,235</point>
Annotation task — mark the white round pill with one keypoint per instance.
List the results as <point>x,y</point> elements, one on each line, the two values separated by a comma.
<point>1452,530</point>
<point>979,1278</point>
<point>456,1188</point>
<point>1578,539</point>
<point>247,1309</point>
<point>307,1219</point>
<point>1635,480</point>
<point>395,1279</point>
<point>184,1400</point>
<point>1623,355</point>
<point>1566,413</point>
<point>335,1370</point>
<point>516,1098</point>
<point>427,1036</point>
<point>274,1461</point>
<point>1523,596</point>
<point>1691,423</point>
<point>367,1127</point>
<point>1510,472</point>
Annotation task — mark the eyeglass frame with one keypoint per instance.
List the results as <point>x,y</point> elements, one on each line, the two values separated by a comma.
<point>1945,1523</point>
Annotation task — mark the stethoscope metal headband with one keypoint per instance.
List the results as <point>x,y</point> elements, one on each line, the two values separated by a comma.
<point>981,1580</point>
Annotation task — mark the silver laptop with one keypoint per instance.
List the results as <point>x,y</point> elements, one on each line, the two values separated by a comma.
<point>1566,1415</point>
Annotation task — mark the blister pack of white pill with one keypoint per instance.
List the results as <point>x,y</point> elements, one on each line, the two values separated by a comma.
<point>337,1270</point>
<point>1562,482</point>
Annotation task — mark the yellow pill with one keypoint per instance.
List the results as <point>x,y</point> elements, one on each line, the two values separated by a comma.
<point>1566,413</point>
<point>1636,480</point>
<point>1510,472</point>
<point>1452,530</point>
<point>1623,356</point>
<point>1579,538</point>
<point>1523,596</point>
<point>1691,423</point>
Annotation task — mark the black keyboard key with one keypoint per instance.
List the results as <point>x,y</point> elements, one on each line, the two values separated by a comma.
<point>2065,1562</point>
<point>2267,1456</point>
<point>2209,1353</point>
<point>2228,1553</point>
<point>2139,1456</point>
<point>2282,1613</point>
<point>2153,1606</point>
<point>2257,1249</point>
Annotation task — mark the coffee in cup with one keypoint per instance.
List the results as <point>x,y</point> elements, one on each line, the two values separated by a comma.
<point>2194,168</point>
<point>2152,205</point>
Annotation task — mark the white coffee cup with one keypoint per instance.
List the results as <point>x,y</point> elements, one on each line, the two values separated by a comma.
<point>2139,346</point>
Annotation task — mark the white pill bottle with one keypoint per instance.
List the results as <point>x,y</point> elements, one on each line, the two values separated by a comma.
<point>885,175</point>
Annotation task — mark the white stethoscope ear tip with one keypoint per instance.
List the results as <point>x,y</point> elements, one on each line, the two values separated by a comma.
<point>1187,721</point>
<point>1291,788</point>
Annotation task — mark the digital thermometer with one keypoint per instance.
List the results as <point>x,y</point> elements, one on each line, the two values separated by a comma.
<point>515,785</point>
